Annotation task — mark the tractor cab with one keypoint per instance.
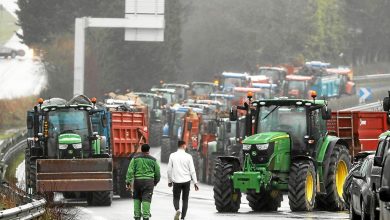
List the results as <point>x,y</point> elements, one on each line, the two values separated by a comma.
<point>231,80</point>
<point>202,90</point>
<point>169,95</point>
<point>181,90</point>
<point>156,105</point>
<point>225,99</point>
<point>297,86</point>
<point>273,74</point>
<point>64,128</point>
<point>240,94</point>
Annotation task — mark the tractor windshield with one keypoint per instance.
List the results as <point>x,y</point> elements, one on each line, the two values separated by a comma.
<point>270,73</point>
<point>232,82</point>
<point>290,119</point>
<point>148,100</point>
<point>177,123</point>
<point>296,85</point>
<point>69,121</point>
<point>202,89</point>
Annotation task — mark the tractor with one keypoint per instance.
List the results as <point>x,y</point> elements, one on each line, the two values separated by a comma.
<point>228,80</point>
<point>156,111</point>
<point>202,90</point>
<point>289,151</point>
<point>181,90</point>
<point>63,153</point>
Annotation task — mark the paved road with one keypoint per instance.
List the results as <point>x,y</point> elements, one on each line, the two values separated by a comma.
<point>201,206</point>
<point>21,76</point>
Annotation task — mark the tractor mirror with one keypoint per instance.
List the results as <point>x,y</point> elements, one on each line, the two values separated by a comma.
<point>326,113</point>
<point>229,127</point>
<point>384,194</point>
<point>189,126</point>
<point>233,114</point>
<point>30,123</point>
<point>378,161</point>
<point>386,104</point>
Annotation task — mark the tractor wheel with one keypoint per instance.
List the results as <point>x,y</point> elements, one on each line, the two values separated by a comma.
<point>265,201</point>
<point>155,134</point>
<point>211,169</point>
<point>165,150</point>
<point>339,166</point>
<point>226,198</point>
<point>27,168</point>
<point>302,186</point>
<point>123,192</point>
<point>32,175</point>
<point>100,198</point>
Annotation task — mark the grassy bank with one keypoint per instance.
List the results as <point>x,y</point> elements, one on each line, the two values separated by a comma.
<point>11,169</point>
<point>13,112</point>
<point>7,25</point>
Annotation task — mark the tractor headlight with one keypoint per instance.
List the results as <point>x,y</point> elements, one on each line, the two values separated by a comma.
<point>246,146</point>
<point>62,146</point>
<point>77,146</point>
<point>262,146</point>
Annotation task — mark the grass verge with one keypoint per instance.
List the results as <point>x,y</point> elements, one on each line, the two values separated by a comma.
<point>11,169</point>
<point>13,112</point>
<point>7,25</point>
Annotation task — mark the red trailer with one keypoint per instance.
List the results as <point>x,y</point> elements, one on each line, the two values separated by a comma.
<point>128,131</point>
<point>360,129</point>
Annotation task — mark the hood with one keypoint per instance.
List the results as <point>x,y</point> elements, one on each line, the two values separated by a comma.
<point>69,139</point>
<point>265,137</point>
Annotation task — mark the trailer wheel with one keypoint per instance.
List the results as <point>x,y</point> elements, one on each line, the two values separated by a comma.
<point>265,201</point>
<point>302,186</point>
<point>226,198</point>
<point>13,54</point>
<point>165,150</point>
<point>155,134</point>
<point>340,164</point>
<point>100,198</point>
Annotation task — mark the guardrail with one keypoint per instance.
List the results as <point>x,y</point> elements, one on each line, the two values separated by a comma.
<point>31,210</point>
<point>372,77</point>
<point>34,207</point>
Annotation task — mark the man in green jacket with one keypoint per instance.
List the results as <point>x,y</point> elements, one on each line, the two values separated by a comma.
<point>143,173</point>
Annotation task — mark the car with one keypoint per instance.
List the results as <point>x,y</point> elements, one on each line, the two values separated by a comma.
<point>9,52</point>
<point>357,164</point>
<point>360,190</point>
<point>384,190</point>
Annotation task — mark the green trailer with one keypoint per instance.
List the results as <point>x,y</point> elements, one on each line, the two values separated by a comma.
<point>289,151</point>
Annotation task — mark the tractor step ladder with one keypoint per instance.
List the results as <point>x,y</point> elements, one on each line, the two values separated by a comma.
<point>345,130</point>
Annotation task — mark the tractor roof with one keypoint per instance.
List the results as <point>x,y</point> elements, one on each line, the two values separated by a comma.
<point>298,78</point>
<point>264,85</point>
<point>80,100</point>
<point>288,102</point>
<point>235,75</point>
<point>203,83</point>
<point>340,70</point>
<point>148,94</point>
<point>247,89</point>
<point>163,90</point>
<point>221,95</point>
<point>185,86</point>
<point>272,68</point>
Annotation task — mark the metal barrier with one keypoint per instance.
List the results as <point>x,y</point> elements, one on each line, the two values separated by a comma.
<point>33,207</point>
<point>372,77</point>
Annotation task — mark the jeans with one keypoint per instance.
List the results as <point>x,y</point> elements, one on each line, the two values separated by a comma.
<point>178,188</point>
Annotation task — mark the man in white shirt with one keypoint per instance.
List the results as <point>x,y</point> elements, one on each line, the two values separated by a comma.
<point>181,171</point>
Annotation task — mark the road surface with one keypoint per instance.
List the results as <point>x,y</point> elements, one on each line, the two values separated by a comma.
<point>201,206</point>
<point>21,76</point>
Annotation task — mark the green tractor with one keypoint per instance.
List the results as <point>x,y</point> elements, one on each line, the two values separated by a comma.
<point>289,151</point>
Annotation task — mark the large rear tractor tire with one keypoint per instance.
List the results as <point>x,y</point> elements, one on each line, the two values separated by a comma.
<point>155,134</point>
<point>302,186</point>
<point>101,198</point>
<point>165,150</point>
<point>265,201</point>
<point>226,198</point>
<point>339,166</point>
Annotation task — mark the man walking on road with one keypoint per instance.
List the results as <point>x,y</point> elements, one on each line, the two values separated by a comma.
<point>181,171</point>
<point>144,174</point>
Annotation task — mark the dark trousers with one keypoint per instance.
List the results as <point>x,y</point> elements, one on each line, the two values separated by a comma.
<point>142,194</point>
<point>179,188</point>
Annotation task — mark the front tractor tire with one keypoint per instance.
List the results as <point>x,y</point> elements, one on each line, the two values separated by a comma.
<point>265,201</point>
<point>226,198</point>
<point>99,198</point>
<point>302,186</point>
<point>339,166</point>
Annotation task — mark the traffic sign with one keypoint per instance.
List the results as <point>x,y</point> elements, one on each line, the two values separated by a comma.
<point>365,94</point>
<point>149,12</point>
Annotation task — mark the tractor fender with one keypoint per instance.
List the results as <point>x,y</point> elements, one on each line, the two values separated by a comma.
<point>231,160</point>
<point>329,150</point>
<point>303,157</point>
